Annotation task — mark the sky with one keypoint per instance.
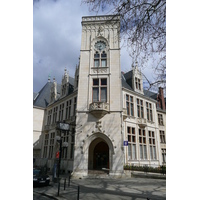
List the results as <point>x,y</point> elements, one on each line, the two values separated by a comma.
<point>57,40</point>
<point>21,22</point>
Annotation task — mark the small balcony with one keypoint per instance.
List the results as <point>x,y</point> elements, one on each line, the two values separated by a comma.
<point>142,122</point>
<point>99,109</point>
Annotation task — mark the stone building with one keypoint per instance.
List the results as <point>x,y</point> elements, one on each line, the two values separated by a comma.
<point>112,120</point>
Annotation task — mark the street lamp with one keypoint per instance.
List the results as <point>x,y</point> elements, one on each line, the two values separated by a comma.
<point>61,127</point>
<point>62,144</point>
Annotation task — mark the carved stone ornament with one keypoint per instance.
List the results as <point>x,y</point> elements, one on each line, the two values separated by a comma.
<point>100,70</point>
<point>98,127</point>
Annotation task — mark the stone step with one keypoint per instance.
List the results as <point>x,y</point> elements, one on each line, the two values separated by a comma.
<point>98,174</point>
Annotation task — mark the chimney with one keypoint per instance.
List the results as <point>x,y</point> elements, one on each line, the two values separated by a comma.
<point>161,98</point>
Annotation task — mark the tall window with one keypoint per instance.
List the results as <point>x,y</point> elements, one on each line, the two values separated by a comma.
<point>74,106</point>
<point>72,143</point>
<point>51,145</point>
<point>152,145</point>
<point>160,119</point>
<point>100,59</point>
<point>164,155</point>
<point>131,143</point>
<point>61,110</point>
<point>140,110</point>
<point>129,105</point>
<point>162,137</point>
<point>68,109</point>
<point>142,142</point>
<point>137,83</point>
<point>49,117</point>
<point>99,90</point>
<point>55,110</point>
<point>149,111</point>
<point>46,140</point>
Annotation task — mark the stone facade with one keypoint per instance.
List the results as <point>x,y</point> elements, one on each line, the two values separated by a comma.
<point>112,120</point>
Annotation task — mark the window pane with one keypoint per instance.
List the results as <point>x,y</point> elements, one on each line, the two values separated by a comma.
<point>96,63</point>
<point>141,112</point>
<point>145,152</point>
<point>127,107</point>
<point>103,63</point>
<point>129,151</point>
<point>141,152</point>
<point>151,118</point>
<point>95,81</point>
<point>154,152</point>
<point>103,55</point>
<point>151,152</point>
<point>138,111</point>
<point>103,81</point>
<point>133,151</point>
<point>131,109</point>
<point>103,94</point>
<point>96,55</point>
<point>95,94</point>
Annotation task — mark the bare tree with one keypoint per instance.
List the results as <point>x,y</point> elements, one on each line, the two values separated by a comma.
<point>143,28</point>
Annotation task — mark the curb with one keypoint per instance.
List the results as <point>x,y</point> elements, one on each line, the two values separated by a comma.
<point>154,176</point>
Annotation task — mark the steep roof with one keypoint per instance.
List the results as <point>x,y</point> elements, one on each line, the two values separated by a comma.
<point>127,83</point>
<point>42,98</point>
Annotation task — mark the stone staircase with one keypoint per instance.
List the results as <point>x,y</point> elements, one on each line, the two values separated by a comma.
<point>98,174</point>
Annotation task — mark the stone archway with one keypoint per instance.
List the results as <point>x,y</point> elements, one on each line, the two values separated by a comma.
<point>100,152</point>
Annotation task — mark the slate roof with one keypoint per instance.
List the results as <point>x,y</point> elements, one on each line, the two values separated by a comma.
<point>42,98</point>
<point>127,83</point>
<point>34,95</point>
<point>150,94</point>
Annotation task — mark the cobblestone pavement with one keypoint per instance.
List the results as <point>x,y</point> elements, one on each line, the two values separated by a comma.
<point>108,189</point>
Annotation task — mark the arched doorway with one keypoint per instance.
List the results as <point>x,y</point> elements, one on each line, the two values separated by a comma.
<point>101,156</point>
<point>98,155</point>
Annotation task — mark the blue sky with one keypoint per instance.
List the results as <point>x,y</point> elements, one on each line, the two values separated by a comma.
<point>57,40</point>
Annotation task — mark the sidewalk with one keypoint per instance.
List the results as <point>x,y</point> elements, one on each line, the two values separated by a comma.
<point>126,188</point>
<point>140,174</point>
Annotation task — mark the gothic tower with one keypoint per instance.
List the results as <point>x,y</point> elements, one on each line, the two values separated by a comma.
<point>98,142</point>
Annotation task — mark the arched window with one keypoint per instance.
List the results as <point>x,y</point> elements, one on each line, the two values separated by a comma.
<point>100,60</point>
<point>100,56</point>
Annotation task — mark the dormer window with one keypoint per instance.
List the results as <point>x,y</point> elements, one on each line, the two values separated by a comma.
<point>63,89</point>
<point>137,83</point>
